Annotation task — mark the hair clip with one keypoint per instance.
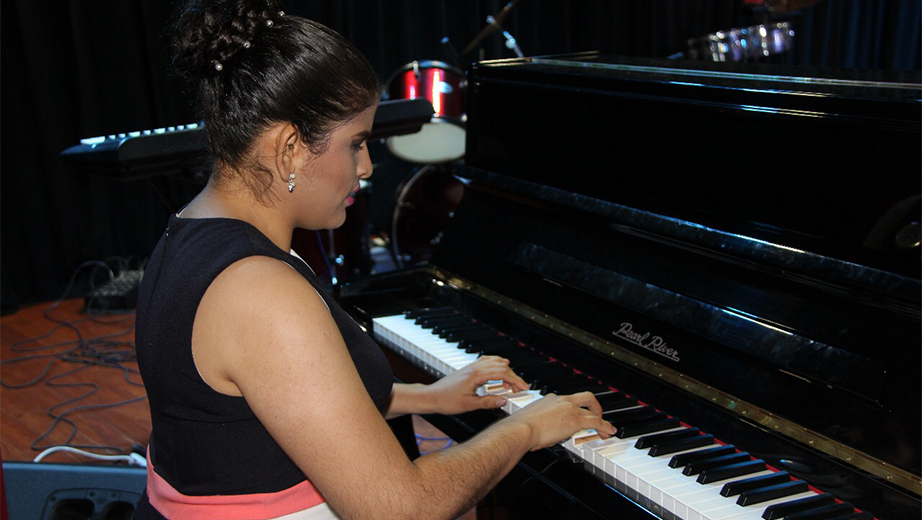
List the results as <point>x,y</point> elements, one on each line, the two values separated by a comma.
<point>246,45</point>
<point>217,66</point>
<point>269,23</point>
<point>281,14</point>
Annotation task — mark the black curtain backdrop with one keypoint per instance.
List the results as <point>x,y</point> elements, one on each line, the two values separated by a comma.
<point>75,69</point>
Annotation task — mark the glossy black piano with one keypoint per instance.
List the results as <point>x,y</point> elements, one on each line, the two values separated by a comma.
<point>727,255</point>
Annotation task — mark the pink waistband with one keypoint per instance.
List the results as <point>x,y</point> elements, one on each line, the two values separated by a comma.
<point>258,506</point>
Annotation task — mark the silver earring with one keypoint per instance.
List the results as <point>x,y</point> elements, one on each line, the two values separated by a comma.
<point>291,183</point>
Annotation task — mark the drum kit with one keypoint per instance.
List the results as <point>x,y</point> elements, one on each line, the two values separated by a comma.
<point>429,193</point>
<point>426,198</point>
<point>744,44</point>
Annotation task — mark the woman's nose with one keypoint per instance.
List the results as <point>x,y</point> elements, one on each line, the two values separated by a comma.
<point>365,165</point>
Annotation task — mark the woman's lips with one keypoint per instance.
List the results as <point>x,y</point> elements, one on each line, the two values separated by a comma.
<point>350,200</point>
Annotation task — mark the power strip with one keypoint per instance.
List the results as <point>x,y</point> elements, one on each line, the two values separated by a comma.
<point>118,294</point>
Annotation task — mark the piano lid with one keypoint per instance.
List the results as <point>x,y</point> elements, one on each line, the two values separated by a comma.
<point>746,232</point>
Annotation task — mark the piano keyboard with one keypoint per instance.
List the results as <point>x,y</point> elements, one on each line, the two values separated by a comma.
<point>667,466</point>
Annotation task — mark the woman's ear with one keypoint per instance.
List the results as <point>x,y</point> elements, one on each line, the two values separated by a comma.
<point>285,148</point>
<point>287,142</point>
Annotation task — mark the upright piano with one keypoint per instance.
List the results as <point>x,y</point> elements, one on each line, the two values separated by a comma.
<point>727,255</point>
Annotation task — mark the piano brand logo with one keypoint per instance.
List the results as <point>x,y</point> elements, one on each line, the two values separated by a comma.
<point>652,343</point>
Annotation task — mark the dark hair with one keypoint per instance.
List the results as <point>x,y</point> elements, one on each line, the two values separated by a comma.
<point>252,66</point>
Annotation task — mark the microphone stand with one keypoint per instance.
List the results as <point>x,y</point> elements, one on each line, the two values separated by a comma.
<point>494,23</point>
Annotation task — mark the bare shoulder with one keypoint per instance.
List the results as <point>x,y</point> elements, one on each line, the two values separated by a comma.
<point>256,311</point>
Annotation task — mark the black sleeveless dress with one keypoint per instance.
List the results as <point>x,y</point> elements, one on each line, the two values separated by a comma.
<point>204,442</point>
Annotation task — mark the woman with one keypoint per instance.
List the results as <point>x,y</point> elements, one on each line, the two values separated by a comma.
<point>267,400</point>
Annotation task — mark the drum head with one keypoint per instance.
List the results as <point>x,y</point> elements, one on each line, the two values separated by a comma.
<point>437,142</point>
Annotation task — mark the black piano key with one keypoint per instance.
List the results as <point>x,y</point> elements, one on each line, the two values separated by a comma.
<point>438,316</point>
<point>443,311</point>
<point>826,512</point>
<point>446,319</point>
<point>537,380</point>
<point>756,496</point>
<point>586,385</point>
<point>442,330</point>
<point>494,349</point>
<point>494,342</point>
<point>735,488</point>
<point>641,428</point>
<point>562,388</point>
<point>622,417</point>
<point>614,394</point>
<point>684,459</point>
<point>548,382</point>
<point>529,363</point>
<point>540,369</point>
<point>451,335</point>
<point>567,377</point>
<point>734,470</point>
<point>541,383</point>
<point>681,445</point>
<point>430,322</point>
<point>796,506</point>
<point>616,401</point>
<point>530,360</point>
<point>518,358</point>
<point>700,466</point>
<point>480,334</point>
<point>863,515</point>
<point>650,440</point>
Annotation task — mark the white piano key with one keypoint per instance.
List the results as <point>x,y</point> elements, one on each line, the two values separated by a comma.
<point>517,401</point>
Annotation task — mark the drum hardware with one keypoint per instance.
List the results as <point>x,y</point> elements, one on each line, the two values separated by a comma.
<point>511,44</point>
<point>909,237</point>
<point>452,53</point>
<point>783,6</point>
<point>494,23</point>
<point>424,204</point>
<point>744,44</point>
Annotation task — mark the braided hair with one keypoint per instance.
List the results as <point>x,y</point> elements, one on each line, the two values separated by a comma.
<point>250,66</point>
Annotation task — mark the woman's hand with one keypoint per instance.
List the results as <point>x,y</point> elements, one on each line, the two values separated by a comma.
<point>554,418</point>
<point>457,392</point>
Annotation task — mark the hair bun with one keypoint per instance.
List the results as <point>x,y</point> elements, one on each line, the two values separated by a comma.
<point>209,33</point>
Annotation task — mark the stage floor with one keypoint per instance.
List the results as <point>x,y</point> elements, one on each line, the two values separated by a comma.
<point>69,378</point>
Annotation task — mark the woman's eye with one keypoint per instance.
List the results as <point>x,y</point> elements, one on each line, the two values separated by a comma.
<point>359,146</point>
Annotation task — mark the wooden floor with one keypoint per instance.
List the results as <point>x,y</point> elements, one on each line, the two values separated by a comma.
<point>69,378</point>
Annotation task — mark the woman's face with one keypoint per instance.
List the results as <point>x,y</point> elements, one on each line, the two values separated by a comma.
<point>327,183</point>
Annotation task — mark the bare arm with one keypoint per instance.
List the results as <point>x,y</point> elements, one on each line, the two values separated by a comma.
<point>263,332</point>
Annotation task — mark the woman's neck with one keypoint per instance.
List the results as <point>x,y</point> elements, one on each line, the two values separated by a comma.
<point>219,201</point>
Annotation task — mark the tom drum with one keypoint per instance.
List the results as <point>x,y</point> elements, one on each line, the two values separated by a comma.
<point>442,139</point>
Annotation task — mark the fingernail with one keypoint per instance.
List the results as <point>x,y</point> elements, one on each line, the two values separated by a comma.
<point>500,401</point>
